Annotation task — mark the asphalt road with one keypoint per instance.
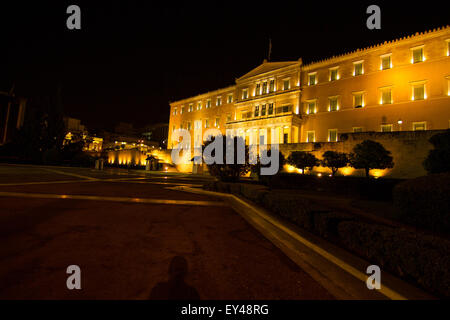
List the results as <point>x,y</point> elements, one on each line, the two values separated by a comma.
<point>123,229</point>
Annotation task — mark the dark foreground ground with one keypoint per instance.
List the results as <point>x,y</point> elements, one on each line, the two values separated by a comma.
<point>123,237</point>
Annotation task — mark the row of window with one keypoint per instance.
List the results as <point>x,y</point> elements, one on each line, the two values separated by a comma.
<point>333,133</point>
<point>418,92</point>
<point>417,55</point>
<point>199,104</point>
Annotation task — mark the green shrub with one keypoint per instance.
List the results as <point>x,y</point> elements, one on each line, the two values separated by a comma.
<point>438,159</point>
<point>421,258</point>
<point>326,223</point>
<point>425,201</point>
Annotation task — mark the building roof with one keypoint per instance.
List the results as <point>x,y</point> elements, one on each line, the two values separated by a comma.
<point>267,67</point>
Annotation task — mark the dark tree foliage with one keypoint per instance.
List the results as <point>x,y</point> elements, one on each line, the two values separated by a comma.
<point>302,160</point>
<point>370,155</point>
<point>229,172</point>
<point>257,167</point>
<point>438,159</point>
<point>334,160</point>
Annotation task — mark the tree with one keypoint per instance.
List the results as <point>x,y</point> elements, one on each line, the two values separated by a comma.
<point>230,172</point>
<point>438,159</point>
<point>256,168</point>
<point>334,160</point>
<point>370,155</point>
<point>302,160</point>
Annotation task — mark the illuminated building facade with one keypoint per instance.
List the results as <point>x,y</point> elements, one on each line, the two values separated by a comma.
<point>400,85</point>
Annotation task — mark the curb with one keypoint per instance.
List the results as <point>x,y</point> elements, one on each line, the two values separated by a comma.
<point>338,271</point>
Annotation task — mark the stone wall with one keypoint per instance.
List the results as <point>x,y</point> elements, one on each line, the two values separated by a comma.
<point>408,148</point>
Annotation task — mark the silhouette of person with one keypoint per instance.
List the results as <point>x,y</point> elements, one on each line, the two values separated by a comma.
<point>175,288</point>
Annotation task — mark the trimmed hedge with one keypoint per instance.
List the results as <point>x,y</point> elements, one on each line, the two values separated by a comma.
<point>421,258</point>
<point>413,256</point>
<point>365,188</point>
<point>425,201</point>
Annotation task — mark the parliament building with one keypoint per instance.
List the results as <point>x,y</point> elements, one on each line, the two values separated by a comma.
<point>399,85</point>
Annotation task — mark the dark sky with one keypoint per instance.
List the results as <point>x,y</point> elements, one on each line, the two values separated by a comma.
<point>131,58</point>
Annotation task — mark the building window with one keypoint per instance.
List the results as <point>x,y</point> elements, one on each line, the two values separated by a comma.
<point>334,74</point>
<point>191,107</point>
<point>263,110</point>
<point>258,89</point>
<point>270,111</point>
<point>386,128</point>
<point>199,106</point>
<point>311,107</point>
<point>286,84</point>
<point>272,85</point>
<point>448,47</point>
<point>256,111</point>
<point>264,87</point>
<point>173,128</point>
<point>245,94</point>
<point>174,111</point>
<point>182,110</point>
<point>218,101</point>
<point>357,129</point>
<point>418,92</point>
<point>310,136</point>
<point>358,100</point>
<point>332,135</point>
<point>386,62</point>
<point>386,96</point>
<point>333,104</point>
<point>208,103</point>
<point>419,126</point>
<point>206,123</point>
<point>217,123</point>
<point>230,98</point>
<point>189,126</point>
<point>417,55</point>
<point>358,68</point>
<point>312,78</point>
<point>229,117</point>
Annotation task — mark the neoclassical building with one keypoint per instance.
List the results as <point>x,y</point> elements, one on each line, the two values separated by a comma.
<point>399,85</point>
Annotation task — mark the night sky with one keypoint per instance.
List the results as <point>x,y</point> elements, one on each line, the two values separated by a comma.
<point>131,58</point>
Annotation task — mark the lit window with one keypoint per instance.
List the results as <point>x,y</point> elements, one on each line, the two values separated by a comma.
<point>263,110</point>
<point>334,74</point>
<point>310,136</point>
<point>182,110</point>
<point>229,117</point>
<point>358,100</point>
<point>448,47</point>
<point>358,68</point>
<point>258,89</point>
<point>386,128</point>
<point>191,107</point>
<point>418,92</point>
<point>333,104</point>
<point>312,78</point>
<point>419,126</point>
<point>311,107</point>
<point>230,98</point>
<point>386,62</point>
<point>417,55</point>
<point>286,84</point>
<point>256,111</point>
<point>245,94</point>
<point>332,135</point>
<point>216,124</point>
<point>272,85</point>
<point>189,126</point>
<point>386,96</point>
<point>206,123</point>
<point>208,103</point>
<point>270,111</point>
<point>199,106</point>
<point>174,111</point>
<point>357,129</point>
<point>219,101</point>
<point>264,87</point>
